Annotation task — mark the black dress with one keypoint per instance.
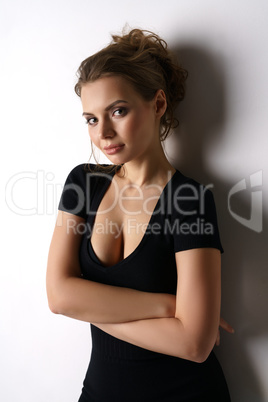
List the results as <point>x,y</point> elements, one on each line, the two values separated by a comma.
<point>184,218</point>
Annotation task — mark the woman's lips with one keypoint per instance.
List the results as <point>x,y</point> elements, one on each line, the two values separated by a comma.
<point>113,149</point>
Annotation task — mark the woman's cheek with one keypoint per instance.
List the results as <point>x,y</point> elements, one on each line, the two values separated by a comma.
<point>94,139</point>
<point>138,121</point>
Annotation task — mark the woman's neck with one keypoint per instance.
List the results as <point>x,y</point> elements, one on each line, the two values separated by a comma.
<point>154,169</point>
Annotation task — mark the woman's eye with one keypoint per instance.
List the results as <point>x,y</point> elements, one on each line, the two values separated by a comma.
<point>119,112</point>
<point>91,121</point>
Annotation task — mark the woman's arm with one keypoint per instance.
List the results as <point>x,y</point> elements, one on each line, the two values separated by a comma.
<point>75,297</point>
<point>192,333</point>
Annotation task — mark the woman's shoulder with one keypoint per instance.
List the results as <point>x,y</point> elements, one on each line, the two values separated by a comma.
<point>81,183</point>
<point>193,215</point>
<point>188,194</point>
<point>187,184</point>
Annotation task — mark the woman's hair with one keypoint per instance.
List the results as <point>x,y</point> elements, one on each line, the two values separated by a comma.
<point>142,58</point>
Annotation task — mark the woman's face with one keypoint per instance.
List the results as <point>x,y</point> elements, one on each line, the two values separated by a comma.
<point>120,122</point>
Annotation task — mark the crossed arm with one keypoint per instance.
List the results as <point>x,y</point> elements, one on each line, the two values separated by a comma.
<point>184,326</point>
<point>192,332</point>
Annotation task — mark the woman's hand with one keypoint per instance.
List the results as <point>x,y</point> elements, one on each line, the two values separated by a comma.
<point>227,327</point>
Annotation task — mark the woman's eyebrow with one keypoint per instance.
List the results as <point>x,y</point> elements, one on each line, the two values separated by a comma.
<point>108,107</point>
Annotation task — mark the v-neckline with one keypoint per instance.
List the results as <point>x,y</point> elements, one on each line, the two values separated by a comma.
<point>96,259</point>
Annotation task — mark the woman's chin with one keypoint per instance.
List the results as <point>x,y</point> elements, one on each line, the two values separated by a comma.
<point>116,160</point>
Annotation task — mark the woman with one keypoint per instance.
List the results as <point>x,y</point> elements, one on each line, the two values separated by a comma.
<point>136,250</point>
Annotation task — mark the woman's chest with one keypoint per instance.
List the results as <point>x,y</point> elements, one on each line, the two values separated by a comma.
<point>150,267</point>
<point>120,224</point>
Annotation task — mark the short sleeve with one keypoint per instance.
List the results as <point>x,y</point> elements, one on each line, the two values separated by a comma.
<point>194,220</point>
<point>73,197</point>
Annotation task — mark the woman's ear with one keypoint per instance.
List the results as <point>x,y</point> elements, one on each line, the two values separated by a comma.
<point>160,103</point>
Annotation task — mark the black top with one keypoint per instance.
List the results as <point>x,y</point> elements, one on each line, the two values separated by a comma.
<point>184,218</point>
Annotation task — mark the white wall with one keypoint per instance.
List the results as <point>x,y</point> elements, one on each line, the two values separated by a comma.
<point>222,139</point>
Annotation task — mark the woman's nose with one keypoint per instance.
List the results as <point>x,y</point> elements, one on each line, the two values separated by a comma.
<point>105,129</point>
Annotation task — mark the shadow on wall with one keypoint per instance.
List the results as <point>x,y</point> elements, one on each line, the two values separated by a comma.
<point>202,116</point>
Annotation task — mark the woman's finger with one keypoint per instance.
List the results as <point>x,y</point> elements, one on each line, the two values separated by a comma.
<point>226,326</point>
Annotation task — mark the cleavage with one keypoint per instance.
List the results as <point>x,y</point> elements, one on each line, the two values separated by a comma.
<point>120,223</point>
